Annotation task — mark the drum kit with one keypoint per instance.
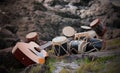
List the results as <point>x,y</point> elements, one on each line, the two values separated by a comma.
<point>82,42</point>
<point>70,42</point>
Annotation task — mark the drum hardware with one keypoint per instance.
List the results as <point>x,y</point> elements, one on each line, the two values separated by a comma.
<point>85,35</point>
<point>91,48</point>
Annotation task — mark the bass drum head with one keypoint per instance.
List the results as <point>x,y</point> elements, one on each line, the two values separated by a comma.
<point>68,31</point>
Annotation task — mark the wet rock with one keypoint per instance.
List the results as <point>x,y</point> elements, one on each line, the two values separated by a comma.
<point>115,2</point>
<point>40,69</point>
<point>7,38</point>
<point>8,60</point>
<point>3,70</point>
<point>39,6</point>
<point>39,1</point>
<point>12,28</point>
<point>72,1</point>
<point>68,66</point>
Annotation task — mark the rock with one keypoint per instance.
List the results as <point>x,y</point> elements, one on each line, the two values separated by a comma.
<point>83,15</point>
<point>39,69</point>
<point>72,1</point>
<point>39,1</point>
<point>39,6</point>
<point>58,6</point>
<point>115,2</point>
<point>3,70</point>
<point>12,28</point>
<point>72,8</point>
<point>7,38</point>
<point>8,60</point>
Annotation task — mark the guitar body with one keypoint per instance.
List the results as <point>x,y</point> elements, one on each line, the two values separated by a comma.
<point>27,55</point>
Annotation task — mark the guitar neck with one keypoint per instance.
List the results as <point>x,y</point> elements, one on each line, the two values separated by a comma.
<point>46,45</point>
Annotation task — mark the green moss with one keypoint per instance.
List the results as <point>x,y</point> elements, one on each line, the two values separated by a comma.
<point>50,62</point>
<point>113,42</point>
<point>64,71</point>
<point>90,67</point>
<point>101,65</point>
<point>35,69</point>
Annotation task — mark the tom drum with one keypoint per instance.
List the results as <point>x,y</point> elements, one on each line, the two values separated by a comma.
<point>60,45</point>
<point>68,31</point>
<point>76,46</point>
<point>99,28</point>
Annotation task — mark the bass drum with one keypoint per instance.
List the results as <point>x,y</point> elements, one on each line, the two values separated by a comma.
<point>93,45</point>
<point>76,46</point>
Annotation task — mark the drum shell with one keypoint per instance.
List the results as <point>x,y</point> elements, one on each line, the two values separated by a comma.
<point>59,51</point>
<point>99,30</point>
<point>97,43</point>
<point>93,43</point>
<point>60,45</point>
<point>98,27</point>
<point>76,46</point>
<point>34,37</point>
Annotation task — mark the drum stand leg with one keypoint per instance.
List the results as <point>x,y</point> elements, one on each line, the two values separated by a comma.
<point>55,53</point>
<point>65,50</point>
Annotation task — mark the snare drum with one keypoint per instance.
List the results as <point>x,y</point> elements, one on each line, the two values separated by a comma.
<point>32,36</point>
<point>93,45</point>
<point>60,45</point>
<point>76,46</point>
<point>98,27</point>
<point>68,31</point>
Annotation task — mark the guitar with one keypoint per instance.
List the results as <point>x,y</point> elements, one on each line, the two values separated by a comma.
<point>30,53</point>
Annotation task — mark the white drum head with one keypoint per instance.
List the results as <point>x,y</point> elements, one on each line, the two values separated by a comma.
<point>59,40</point>
<point>94,22</point>
<point>92,33</point>
<point>86,27</point>
<point>31,35</point>
<point>68,31</point>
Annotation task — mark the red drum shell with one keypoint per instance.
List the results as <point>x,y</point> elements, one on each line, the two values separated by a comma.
<point>98,27</point>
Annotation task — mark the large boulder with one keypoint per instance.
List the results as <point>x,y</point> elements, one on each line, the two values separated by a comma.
<point>8,60</point>
<point>7,37</point>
